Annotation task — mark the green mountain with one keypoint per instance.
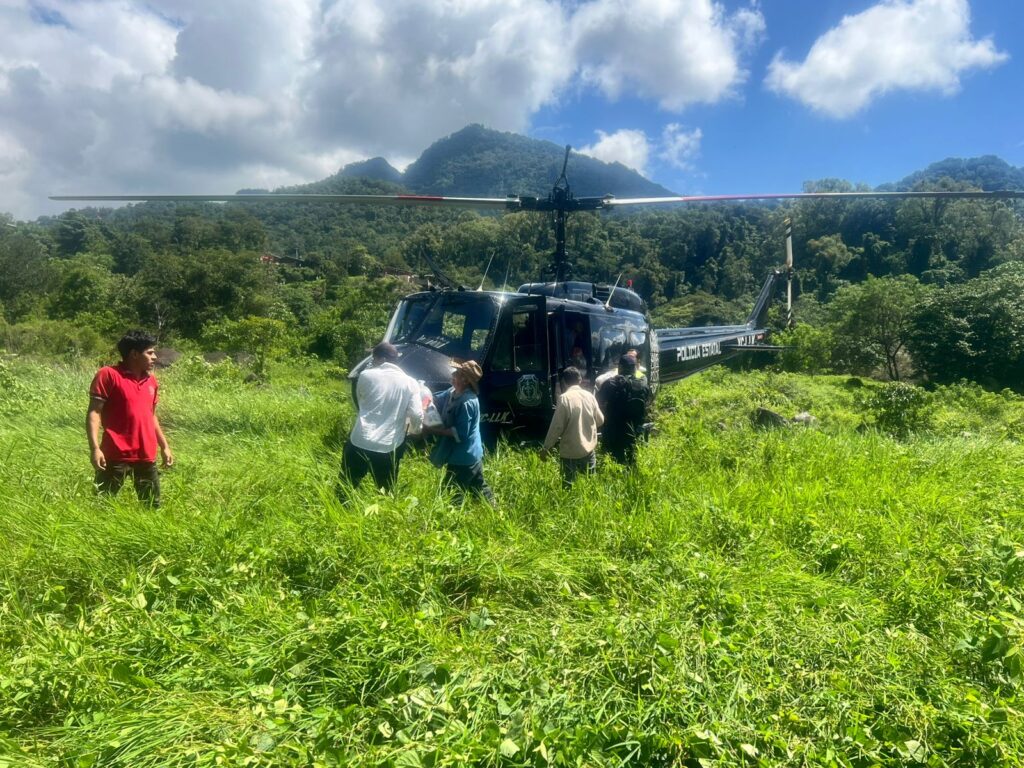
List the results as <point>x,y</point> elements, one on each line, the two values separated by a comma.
<point>479,162</point>
<point>376,168</point>
<point>988,173</point>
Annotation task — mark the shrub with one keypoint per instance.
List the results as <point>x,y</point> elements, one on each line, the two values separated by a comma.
<point>899,408</point>
<point>261,337</point>
<point>193,368</point>
<point>54,338</point>
<point>808,349</point>
<point>15,396</point>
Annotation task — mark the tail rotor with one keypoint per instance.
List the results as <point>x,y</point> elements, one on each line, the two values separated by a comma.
<point>789,272</point>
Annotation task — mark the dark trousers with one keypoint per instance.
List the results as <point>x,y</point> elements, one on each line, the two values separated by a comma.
<point>622,449</point>
<point>468,478</point>
<point>573,467</point>
<point>357,462</point>
<point>144,476</point>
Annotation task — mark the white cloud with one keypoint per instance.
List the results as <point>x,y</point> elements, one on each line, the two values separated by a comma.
<point>627,146</point>
<point>679,147</point>
<point>169,96</point>
<point>895,45</point>
<point>398,79</point>
<point>678,52</point>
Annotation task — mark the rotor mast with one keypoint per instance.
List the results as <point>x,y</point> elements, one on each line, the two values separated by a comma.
<point>561,203</point>
<point>560,197</point>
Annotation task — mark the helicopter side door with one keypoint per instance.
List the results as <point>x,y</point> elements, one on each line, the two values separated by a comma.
<point>518,391</point>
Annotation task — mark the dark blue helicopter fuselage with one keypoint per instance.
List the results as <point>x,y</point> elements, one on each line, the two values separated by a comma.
<point>524,339</point>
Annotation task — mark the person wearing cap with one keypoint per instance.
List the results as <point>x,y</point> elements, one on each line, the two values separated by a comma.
<point>623,401</point>
<point>612,372</point>
<point>574,428</point>
<point>387,399</point>
<point>460,451</point>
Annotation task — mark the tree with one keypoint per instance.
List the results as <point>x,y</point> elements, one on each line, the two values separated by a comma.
<point>188,290</point>
<point>827,261</point>
<point>26,273</point>
<point>974,330</point>
<point>807,349</point>
<point>872,322</point>
<point>261,337</point>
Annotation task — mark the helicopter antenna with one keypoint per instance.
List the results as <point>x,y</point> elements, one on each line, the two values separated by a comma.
<point>508,267</point>
<point>608,304</point>
<point>486,270</point>
<point>789,272</point>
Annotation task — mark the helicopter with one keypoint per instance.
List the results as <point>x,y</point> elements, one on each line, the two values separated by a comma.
<point>523,339</point>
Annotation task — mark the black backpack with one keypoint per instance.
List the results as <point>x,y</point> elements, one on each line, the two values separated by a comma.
<point>636,394</point>
<point>624,402</point>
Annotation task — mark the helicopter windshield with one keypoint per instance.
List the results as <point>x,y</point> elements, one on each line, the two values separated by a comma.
<point>456,324</point>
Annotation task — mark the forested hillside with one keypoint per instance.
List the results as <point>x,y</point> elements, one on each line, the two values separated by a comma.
<point>478,162</point>
<point>900,289</point>
<point>988,173</point>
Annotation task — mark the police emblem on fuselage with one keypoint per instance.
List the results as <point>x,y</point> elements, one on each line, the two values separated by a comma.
<point>528,390</point>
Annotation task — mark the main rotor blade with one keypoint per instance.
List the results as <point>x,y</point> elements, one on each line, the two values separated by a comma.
<point>527,203</point>
<point>510,203</point>
<point>998,194</point>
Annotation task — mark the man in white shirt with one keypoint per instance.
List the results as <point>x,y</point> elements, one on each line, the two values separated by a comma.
<point>387,399</point>
<point>574,428</point>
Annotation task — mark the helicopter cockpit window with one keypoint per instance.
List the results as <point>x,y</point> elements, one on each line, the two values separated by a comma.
<point>456,325</point>
<point>612,337</point>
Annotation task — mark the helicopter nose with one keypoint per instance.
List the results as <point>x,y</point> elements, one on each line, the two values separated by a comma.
<point>431,367</point>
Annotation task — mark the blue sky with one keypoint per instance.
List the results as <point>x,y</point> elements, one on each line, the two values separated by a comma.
<point>712,96</point>
<point>760,140</point>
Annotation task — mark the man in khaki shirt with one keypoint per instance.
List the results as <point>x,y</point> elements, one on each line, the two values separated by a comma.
<point>574,428</point>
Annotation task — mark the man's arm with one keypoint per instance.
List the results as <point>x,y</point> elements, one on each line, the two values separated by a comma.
<point>414,411</point>
<point>557,428</point>
<point>93,418</point>
<point>161,440</point>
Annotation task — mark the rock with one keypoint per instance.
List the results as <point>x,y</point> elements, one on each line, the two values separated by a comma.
<point>805,419</point>
<point>853,383</point>
<point>166,356</point>
<point>767,419</point>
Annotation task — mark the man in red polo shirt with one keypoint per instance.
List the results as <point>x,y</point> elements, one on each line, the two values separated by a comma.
<point>123,400</point>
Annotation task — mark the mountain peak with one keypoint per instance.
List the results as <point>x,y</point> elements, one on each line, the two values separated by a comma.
<point>375,168</point>
<point>479,161</point>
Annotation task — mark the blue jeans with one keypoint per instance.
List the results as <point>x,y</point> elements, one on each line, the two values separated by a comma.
<point>573,467</point>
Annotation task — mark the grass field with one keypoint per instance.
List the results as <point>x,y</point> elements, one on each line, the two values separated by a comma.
<point>825,595</point>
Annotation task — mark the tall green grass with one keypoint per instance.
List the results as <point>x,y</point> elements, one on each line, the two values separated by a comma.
<point>809,596</point>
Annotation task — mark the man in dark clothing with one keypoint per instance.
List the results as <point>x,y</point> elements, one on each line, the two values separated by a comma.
<point>623,401</point>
